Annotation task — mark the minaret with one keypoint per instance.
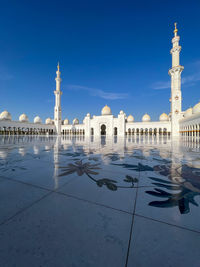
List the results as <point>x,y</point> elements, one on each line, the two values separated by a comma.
<point>175,73</point>
<point>57,108</point>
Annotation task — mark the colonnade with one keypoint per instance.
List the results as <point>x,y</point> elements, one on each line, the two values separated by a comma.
<point>73,132</point>
<point>190,130</point>
<point>24,131</point>
<point>147,131</point>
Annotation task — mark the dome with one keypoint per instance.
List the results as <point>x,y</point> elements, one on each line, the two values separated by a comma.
<point>146,117</point>
<point>66,121</point>
<point>5,115</point>
<point>37,120</point>
<point>75,121</point>
<point>130,118</point>
<point>188,112</point>
<point>23,118</point>
<point>196,108</point>
<point>49,121</point>
<point>106,111</point>
<point>121,112</point>
<point>163,117</point>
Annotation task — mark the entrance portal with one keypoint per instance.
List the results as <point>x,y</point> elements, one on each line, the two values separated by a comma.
<point>103,129</point>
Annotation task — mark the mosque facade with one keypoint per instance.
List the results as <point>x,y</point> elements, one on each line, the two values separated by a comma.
<point>176,123</point>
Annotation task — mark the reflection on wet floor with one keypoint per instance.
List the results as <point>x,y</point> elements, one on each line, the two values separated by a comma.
<point>147,177</point>
<point>174,163</point>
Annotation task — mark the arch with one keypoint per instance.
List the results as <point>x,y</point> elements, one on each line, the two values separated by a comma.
<point>115,131</point>
<point>103,129</point>
<point>92,131</point>
<point>165,131</point>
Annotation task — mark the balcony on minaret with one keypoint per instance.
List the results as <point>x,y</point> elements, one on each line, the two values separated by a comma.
<point>176,48</point>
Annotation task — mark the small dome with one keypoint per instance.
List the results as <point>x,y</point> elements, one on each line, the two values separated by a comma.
<point>88,115</point>
<point>106,110</point>
<point>66,121</point>
<point>163,117</point>
<point>75,121</point>
<point>121,112</point>
<point>196,108</point>
<point>188,112</point>
<point>49,121</point>
<point>130,118</point>
<point>5,115</point>
<point>23,118</point>
<point>146,117</point>
<point>37,120</point>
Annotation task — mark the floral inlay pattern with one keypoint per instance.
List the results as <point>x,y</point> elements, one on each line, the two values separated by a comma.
<point>183,186</point>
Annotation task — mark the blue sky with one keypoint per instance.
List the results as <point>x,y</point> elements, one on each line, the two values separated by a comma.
<point>110,52</point>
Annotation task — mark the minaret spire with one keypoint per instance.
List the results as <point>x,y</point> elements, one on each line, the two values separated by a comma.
<point>57,108</point>
<point>175,30</point>
<point>175,73</point>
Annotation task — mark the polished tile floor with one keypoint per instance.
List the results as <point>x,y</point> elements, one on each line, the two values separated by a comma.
<point>99,202</point>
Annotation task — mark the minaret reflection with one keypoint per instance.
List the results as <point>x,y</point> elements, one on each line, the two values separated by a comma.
<point>176,161</point>
<point>57,145</point>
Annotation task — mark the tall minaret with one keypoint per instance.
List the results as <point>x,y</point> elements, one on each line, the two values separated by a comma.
<point>57,108</point>
<point>175,73</point>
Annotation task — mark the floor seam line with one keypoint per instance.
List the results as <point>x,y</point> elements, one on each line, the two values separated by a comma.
<point>131,230</point>
<point>26,208</point>
<point>22,182</point>
<point>169,224</point>
<point>91,202</point>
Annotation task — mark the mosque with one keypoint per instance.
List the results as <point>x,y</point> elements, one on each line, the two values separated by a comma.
<point>176,123</point>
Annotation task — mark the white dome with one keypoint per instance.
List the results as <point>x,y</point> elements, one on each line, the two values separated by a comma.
<point>188,112</point>
<point>23,118</point>
<point>106,110</point>
<point>75,121</point>
<point>88,115</point>
<point>5,115</point>
<point>66,121</point>
<point>146,117</point>
<point>163,117</point>
<point>196,108</point>
<point>130,118</point>
<point>49,121</point>
<point>37,120</point>
<point>121,112</point>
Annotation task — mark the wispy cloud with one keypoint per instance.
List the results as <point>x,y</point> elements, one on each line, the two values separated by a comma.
<point>161,85</point>
<point>187,80</point>
<point>191,78</point>
<point>98,92</point>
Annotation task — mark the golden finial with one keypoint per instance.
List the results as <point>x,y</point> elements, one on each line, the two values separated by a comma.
<point>175,30</point>
<point>58,66</point>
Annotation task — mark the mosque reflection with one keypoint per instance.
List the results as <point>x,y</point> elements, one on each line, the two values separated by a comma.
<point>169,169</point>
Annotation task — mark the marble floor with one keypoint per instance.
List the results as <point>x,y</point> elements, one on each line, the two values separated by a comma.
<point>99,202</point>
